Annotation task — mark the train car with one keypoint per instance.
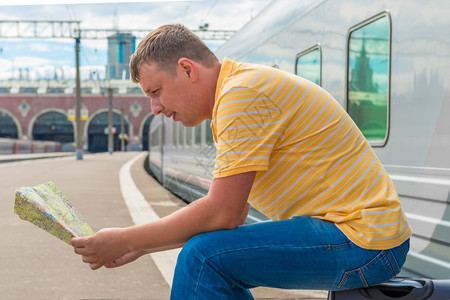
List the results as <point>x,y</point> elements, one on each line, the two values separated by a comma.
<point>15,146</point>
<point>6,146</point>
<point>388,64</point>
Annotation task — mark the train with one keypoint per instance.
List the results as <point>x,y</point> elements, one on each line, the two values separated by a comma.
<point>388,64</point>
<point>16,146</point>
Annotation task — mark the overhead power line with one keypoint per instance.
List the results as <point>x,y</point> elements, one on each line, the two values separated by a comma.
<point>72,29</point>
<point>39,29</point>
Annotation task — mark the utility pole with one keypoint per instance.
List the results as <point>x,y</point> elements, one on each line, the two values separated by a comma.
<point>78,131</point>
<point>110,121</point>
<point>122,133</point>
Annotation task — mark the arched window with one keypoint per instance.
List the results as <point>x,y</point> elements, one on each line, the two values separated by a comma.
<point>8,128</point>
<point>53,126</point>
<point>98,136</point>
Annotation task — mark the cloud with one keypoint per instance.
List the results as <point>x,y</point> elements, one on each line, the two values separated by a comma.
<point>59,2</point>
<point>144,15</point>
<point>30,61</point>
<point>40,47</point>
<point>5,69</point>
<point>43,56</point>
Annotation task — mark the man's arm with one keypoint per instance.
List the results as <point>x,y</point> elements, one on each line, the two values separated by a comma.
<point>132,256</point>
<point>244,213</point>
<point>223,208</point>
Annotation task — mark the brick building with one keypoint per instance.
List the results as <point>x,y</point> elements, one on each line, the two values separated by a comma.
<point>42,109</point>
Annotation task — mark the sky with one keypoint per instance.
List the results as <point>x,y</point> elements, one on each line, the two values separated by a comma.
<point>55,58</point>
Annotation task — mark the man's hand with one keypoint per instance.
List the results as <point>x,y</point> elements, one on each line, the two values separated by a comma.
<point>105,246</point>
<point>127,258</point>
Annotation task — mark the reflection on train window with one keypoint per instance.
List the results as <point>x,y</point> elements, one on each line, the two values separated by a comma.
<point>368,77</point>
<point>198,135</point>
<point>209,134</point>
<point>308,64</point>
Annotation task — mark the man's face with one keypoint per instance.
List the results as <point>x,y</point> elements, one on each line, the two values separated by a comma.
<point>172,95</point>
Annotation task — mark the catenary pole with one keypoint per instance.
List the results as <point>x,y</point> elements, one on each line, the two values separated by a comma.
<point>79,134</point>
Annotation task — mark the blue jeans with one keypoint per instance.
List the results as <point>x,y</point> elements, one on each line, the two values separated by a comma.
<point>300,253</point>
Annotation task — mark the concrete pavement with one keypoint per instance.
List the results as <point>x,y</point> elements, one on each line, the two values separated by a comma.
<point>36,265</point>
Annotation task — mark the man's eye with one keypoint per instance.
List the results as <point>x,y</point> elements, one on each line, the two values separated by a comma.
<point>155,92</point>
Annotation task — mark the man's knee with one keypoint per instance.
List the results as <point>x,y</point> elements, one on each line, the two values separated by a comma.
<point>193,250</point>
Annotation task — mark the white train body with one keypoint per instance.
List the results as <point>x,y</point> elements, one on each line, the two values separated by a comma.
<point>401,49</point>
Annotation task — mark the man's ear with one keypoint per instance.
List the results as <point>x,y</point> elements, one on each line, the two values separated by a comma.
<point>189,68</point>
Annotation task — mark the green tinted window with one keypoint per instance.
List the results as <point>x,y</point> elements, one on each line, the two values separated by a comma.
<point>308,64</point>
<point>368,78</point>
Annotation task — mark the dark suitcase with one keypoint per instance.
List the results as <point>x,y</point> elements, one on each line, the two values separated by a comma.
<point>399,288</point>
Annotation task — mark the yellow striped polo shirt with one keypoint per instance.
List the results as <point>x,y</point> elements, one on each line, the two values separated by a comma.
<point>310,157</point>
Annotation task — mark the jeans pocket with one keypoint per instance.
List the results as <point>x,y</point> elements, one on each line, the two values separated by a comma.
<point>378,270</point>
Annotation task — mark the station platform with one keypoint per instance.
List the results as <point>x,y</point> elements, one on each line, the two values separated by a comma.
<point>109,190</point>
<point>31,156</point>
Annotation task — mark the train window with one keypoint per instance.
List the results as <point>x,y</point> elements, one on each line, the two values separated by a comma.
<point>198,135</point>
<point>308,64</point>
<point>209,134</point>
<point>368,77</point>
<point>188,131</point>
<point>174,134</point>
<point>155,131</point>
<point>180,136</point>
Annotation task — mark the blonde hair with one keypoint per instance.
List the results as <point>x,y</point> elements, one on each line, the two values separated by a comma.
<point>166,45</point>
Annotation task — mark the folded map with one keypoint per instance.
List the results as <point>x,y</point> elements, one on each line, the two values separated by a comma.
<point>46,207</point>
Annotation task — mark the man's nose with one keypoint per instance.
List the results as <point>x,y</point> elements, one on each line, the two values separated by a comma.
<point>156,106</point>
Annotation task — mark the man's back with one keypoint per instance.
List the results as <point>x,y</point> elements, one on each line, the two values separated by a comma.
<point>311,158</point>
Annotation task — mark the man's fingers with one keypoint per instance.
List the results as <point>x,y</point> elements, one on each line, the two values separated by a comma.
<point>77,242</point>
<point>79,245</point>
<point>93,263</point>
<point>95,266</point>
<point>113,264</point>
